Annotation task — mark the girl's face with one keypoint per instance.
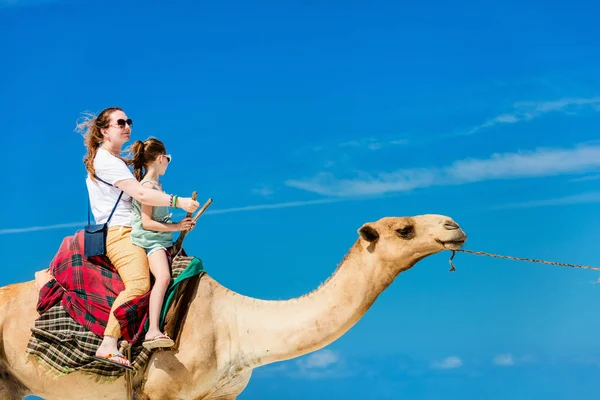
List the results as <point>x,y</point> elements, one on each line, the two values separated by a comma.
<point>162,162</point>
<point>119,129</point>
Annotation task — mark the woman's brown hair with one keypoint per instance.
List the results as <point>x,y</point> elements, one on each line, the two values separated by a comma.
<point>145,153</point>
<point>91,127</point>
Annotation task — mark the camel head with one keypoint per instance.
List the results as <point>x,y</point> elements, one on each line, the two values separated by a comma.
<point>397,243</point>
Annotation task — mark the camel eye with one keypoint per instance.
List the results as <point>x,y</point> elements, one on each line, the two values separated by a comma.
<point>408,232</point>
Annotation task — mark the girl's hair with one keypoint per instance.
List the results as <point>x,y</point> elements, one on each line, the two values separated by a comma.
<point>145,153</point>
<point>91,128</point>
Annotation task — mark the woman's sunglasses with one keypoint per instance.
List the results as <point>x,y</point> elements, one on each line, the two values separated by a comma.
<point>168,157</point>
<point>121,122</point>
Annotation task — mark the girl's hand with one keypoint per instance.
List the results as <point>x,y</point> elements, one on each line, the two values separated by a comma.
<point>187,204</point>
<point>186,224</point>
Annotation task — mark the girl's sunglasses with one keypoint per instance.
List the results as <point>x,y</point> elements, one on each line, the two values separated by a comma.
<point>168,157</point>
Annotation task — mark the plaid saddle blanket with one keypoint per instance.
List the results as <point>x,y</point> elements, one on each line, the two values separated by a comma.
<point>75,304</point>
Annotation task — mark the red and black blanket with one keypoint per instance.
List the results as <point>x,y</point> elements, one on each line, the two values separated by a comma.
<point>74,307</point>
<point>87,288</point>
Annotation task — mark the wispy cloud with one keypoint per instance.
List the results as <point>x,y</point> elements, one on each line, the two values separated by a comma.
<point>540,162</point>
<point>319,360</point>
<point>586,178</point>
<point>584,198</point>
<point>537,163</point>
<point>528,110</point>
<point>509,360</point>
<point>322,364</point>
<point>505,360</point>
<point>448,363</point>
<point>373,143</point>
<point>24,3</point>
<point>588,360</point>
<point>344,155</point>
<point>263,190</point>
<point>5,231</point>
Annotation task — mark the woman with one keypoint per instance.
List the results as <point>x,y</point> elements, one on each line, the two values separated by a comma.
<point>108,176</point>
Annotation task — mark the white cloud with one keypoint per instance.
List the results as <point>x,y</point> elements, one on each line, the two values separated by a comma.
<point>586,178</point>
<point>537,163</point>
<point>541,162</point>
<point>319,360</point>
<point>528,110</point>
<point>588,360</point>
<point>504,360</point>
<point>373,144</point>
<point>557,105</point>
<point>584,198</point>
<point>263,190</point>
<point>23,3</point>
<point>448,363</point>
<point>323,364</point>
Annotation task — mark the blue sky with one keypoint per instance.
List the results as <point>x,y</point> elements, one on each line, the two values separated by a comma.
<point>303,120</point>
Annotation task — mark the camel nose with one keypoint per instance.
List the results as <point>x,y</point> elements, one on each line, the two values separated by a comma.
<point>451,225</point>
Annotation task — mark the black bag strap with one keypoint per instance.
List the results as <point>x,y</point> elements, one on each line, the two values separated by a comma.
<point>115,206</point>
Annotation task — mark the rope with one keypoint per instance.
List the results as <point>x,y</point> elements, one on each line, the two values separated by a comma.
<point>481,253</point>
<point>128,374</point>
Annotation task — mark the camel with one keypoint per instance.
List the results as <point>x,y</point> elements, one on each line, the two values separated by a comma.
<point>226,335</point>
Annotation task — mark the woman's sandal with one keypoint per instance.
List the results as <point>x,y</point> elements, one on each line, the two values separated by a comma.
<point>107,359</point>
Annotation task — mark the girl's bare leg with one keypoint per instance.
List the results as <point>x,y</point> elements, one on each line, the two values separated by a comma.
<point>159,266</point>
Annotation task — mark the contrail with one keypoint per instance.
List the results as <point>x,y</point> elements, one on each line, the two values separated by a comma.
<point>274,206</point>
<point>41,228</point>
<point>222,211</point>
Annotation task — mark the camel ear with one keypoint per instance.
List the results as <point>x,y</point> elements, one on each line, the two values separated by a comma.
<point>369,233</point>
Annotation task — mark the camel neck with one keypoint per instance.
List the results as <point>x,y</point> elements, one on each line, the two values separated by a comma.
<point>273,331</point>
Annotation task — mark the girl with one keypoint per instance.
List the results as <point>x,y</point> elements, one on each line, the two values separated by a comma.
<point>152,229</point>
<point>108,176</point>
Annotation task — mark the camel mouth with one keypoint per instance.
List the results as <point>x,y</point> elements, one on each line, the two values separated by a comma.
<point>452,244</point>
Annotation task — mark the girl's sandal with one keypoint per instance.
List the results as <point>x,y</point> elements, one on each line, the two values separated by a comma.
<point>159,341</point>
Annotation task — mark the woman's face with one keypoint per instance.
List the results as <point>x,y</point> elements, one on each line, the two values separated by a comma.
<point>119,129</point>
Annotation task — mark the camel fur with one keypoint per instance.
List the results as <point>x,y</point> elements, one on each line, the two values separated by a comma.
<point>226,335</point>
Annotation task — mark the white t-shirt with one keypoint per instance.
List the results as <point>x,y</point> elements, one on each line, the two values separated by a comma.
<point>103,197</point>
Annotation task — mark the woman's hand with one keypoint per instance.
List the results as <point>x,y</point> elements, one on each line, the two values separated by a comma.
<point>186,224</point>
<point>187,204</point>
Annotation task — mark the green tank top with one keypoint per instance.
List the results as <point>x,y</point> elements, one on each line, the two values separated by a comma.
<point>145,238</point>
